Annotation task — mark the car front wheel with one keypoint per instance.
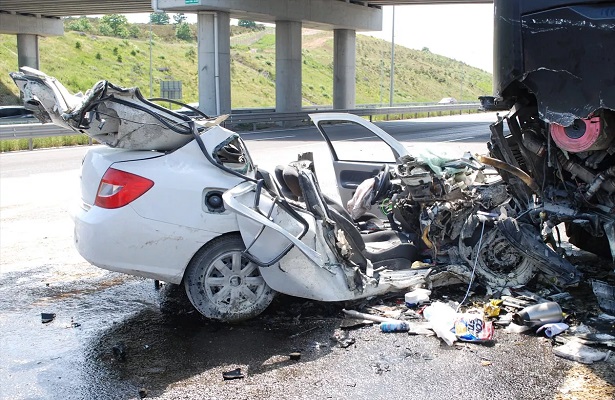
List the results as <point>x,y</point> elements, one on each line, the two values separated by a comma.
<point>223,284</point>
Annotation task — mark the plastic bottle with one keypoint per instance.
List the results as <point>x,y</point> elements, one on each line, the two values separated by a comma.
<point>394,326</point>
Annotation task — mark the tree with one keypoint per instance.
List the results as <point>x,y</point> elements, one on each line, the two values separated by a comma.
<point>179,18</point>
<point>159,18</point>
<point>117,24</point>
<point>81,24</point>
<point>247,23</point>
<point>183,31</point>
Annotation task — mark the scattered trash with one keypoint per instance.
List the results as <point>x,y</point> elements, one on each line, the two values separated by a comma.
<point>416,297</point>
<point>370,317</point>
<point>485,363</point>
<point>510,301</point>
<point>420,265</point>
<point>234,374</point>
<point>553,329</point>
<point>539,314</point>
<point>394,326</point>
<point>47,317</point>
<point>579,352</point>
<point>492,309</point>
<point>352,323</point>
<point>420,328</point>
<point>295,356</point>
<point>390,312</point>
<point>74,324</point>
<point>442,319</point>
<point>472,327</point>
<point>119,351</point>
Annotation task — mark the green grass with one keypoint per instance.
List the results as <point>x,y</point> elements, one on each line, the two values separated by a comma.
<point>43,143</point>
<point>420,76</point>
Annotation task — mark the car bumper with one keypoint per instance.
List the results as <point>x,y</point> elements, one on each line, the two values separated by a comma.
<point>120,240</point>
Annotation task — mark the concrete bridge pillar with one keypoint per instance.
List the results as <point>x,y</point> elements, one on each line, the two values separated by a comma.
<point>344,67</point>
<point>27,50</point>
<point>214,58</point>
<point>288,96</point>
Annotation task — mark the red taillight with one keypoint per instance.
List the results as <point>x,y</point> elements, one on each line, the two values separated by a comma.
<point>118,188</point>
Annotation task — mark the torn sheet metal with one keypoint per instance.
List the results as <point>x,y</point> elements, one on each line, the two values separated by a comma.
<point>112,115</point>
<point>295,256</point>
<point>605,294</point>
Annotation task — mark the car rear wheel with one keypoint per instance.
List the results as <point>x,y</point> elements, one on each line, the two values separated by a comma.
<point>223,284</point>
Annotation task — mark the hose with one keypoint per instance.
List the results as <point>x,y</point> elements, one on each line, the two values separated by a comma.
<point>512,170</point>
<point>595,181</point>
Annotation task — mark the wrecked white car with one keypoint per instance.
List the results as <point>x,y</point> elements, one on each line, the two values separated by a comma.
<point>178,199</point>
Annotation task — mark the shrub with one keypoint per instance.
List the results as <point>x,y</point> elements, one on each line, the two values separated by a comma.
<point>183,31</point>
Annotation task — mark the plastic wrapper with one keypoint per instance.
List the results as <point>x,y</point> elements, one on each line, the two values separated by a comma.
<point>473,327</point>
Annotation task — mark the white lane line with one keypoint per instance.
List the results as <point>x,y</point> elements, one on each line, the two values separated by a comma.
<point>274,138</point>
<point>456,140</point>
<point>276,130</point>
<point>359,138</point>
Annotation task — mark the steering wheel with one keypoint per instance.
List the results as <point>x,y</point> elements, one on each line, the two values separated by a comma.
<point>382,184</point>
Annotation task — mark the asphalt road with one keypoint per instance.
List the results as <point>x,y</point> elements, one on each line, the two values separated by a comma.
<point>114,335</point>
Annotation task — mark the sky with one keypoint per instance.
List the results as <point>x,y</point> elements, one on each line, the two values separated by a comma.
<point>463,32</point>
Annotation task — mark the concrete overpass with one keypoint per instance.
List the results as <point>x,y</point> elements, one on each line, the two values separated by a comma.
<point>29,20</point>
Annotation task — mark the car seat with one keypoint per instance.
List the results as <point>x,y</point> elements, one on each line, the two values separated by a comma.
<point>388,248</point>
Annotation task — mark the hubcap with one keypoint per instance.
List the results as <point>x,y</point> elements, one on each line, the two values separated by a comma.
<point>233,282</point>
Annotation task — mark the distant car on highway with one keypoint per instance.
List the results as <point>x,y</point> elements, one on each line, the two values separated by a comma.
<point>16,115</point>
<point>448,100</point>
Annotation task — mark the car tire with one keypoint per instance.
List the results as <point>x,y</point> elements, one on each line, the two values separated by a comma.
<point>223,284</point>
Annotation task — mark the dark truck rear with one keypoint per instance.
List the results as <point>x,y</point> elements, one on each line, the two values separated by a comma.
<point>554,71</point>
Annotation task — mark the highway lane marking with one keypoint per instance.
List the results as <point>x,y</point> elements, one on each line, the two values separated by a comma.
<point>456,140</point>
<point>273,138</point>
<point>359,138</point>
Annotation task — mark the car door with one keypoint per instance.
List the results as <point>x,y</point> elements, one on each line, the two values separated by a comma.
<point>359,149</point>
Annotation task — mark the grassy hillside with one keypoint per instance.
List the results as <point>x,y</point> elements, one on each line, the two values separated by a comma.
<point>79,60</point>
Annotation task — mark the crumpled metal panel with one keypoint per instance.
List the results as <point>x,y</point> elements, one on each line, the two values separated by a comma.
<point>115,116</point>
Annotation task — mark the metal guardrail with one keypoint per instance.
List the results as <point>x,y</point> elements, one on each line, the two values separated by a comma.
<point>236,119</point>
<point>32,131</point>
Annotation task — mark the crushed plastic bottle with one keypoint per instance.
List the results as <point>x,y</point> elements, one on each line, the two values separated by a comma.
<point>394,326</point>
